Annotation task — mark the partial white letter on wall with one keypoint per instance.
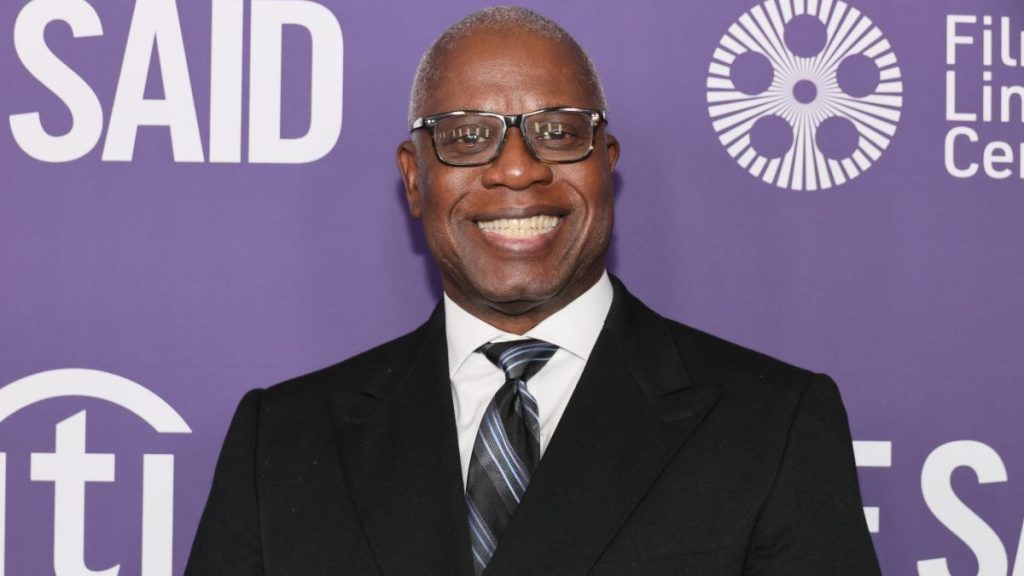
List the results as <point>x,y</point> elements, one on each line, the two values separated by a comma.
<point>35,55</point>
<point>268,20</point>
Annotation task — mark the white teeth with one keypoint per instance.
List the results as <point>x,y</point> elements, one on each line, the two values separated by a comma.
<point>520,227</point>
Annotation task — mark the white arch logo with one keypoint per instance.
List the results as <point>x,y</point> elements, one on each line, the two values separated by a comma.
<point>804,94</point>
<point>70,467</point>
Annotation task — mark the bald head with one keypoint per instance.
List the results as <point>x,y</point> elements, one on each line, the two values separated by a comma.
<point>497,19</point>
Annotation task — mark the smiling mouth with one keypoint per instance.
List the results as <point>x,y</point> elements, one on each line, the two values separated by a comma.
<point>520,227</point>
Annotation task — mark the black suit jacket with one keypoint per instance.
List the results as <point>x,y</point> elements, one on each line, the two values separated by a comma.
<point>679,453</point>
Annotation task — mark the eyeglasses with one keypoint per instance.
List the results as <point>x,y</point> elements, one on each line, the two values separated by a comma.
<point>552,135</point>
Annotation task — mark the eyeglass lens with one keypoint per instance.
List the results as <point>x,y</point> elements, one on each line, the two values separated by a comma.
<point>554,136</point>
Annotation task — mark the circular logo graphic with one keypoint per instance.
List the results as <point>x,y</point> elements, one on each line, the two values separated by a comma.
<point>804,94</point>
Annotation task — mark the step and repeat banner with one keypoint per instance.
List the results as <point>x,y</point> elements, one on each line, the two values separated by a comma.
<point>200,197</point>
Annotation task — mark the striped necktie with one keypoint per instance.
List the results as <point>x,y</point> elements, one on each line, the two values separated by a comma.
<point>507,446</point>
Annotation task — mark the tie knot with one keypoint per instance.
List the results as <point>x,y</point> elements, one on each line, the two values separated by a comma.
<point>519,359</point>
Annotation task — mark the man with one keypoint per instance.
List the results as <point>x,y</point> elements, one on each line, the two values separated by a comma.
<point>613,441</point>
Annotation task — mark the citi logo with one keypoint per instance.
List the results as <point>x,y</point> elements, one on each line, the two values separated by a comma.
<point>70,467</point>
<point>804,94</point>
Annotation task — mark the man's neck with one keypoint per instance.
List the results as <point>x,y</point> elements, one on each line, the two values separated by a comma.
<point>518,317</point>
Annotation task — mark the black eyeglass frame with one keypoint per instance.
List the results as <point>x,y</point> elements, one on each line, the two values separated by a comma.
<point>510,121</point>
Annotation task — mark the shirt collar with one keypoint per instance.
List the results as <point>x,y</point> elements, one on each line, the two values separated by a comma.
<point>574,328</point>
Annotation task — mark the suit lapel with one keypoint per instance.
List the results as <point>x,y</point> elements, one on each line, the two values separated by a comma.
<point>632,409</point>
<point>399,450</point>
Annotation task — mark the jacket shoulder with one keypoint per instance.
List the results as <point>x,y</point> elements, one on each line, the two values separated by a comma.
<point>711,360</point>
<point>729,358</point>
<point>382,363</point>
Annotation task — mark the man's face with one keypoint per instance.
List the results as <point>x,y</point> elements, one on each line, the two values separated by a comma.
<point>512,279</point>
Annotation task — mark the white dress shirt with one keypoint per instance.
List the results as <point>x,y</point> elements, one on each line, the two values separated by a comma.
<point>475,380</point>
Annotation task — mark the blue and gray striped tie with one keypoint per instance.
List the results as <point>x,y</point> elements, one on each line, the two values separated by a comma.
<point>507,446</point>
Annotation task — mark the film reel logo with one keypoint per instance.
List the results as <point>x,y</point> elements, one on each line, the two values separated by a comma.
<point>804,94</point>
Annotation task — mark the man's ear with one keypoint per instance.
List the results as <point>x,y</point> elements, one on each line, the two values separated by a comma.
<point>612,144</point>
<point>406,158</point>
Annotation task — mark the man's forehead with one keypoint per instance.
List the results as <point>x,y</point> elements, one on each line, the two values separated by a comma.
<point>488,51</point>
<point>499,67</point>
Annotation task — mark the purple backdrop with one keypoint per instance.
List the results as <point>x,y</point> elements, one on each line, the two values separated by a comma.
<point>200,280</point>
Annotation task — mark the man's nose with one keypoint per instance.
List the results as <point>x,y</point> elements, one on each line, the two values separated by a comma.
<point>515,167</point>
